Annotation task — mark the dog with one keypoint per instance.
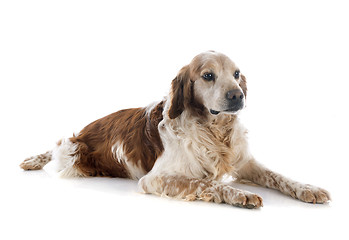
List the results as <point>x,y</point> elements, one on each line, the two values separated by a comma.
<point>182,146</point>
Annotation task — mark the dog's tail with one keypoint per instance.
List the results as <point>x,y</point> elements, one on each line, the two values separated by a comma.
<point>36,162</point>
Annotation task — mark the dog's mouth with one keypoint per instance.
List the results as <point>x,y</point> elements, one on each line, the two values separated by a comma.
<point>232,109</point>
<point>214,112</point>
<point>229,111</point>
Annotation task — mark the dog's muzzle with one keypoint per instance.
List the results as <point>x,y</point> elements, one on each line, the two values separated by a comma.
<point>235,102</point>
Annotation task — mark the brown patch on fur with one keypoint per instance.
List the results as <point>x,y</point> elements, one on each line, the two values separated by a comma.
<point>183,95</point>
<point>133,128</point>
<point>243,85</point>
<point>177,93</point>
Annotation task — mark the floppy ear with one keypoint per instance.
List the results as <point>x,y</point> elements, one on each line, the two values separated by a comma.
<point>179,93</point>
<point>243,84</point>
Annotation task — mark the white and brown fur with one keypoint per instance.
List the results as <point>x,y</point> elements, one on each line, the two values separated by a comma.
<point>178,147</point>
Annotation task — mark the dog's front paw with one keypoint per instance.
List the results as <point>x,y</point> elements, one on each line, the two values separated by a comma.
<point>312,194</point>
<point>243,199</point>
<point>232,196</point>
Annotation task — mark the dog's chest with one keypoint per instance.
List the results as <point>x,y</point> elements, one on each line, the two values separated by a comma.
<point>203,150</point>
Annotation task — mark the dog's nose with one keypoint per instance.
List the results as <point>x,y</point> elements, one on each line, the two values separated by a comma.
<point>235,95</point>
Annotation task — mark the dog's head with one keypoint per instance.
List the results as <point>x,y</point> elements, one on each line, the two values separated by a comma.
<point>210,84</point>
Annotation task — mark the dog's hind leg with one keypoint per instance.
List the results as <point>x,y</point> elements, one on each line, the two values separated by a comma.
<point>36,162</point>
<point>62,160</point>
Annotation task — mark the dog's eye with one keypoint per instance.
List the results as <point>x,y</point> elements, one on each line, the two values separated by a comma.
<point>208,76</point>
<point>237,74</point>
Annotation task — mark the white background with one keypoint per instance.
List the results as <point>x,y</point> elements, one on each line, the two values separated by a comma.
<point>64,64</point>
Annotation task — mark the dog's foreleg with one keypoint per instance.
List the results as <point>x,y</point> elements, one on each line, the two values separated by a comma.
<point>260,175</point>
<point>198,189</point>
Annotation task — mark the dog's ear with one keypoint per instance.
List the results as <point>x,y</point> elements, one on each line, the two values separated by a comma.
<point>243,84</point>
<point>179,93</point>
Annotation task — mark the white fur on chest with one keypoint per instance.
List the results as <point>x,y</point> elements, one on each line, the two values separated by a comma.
<point>196,151</point>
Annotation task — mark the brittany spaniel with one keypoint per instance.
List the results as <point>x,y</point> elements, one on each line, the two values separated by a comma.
<point>180,147</point>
